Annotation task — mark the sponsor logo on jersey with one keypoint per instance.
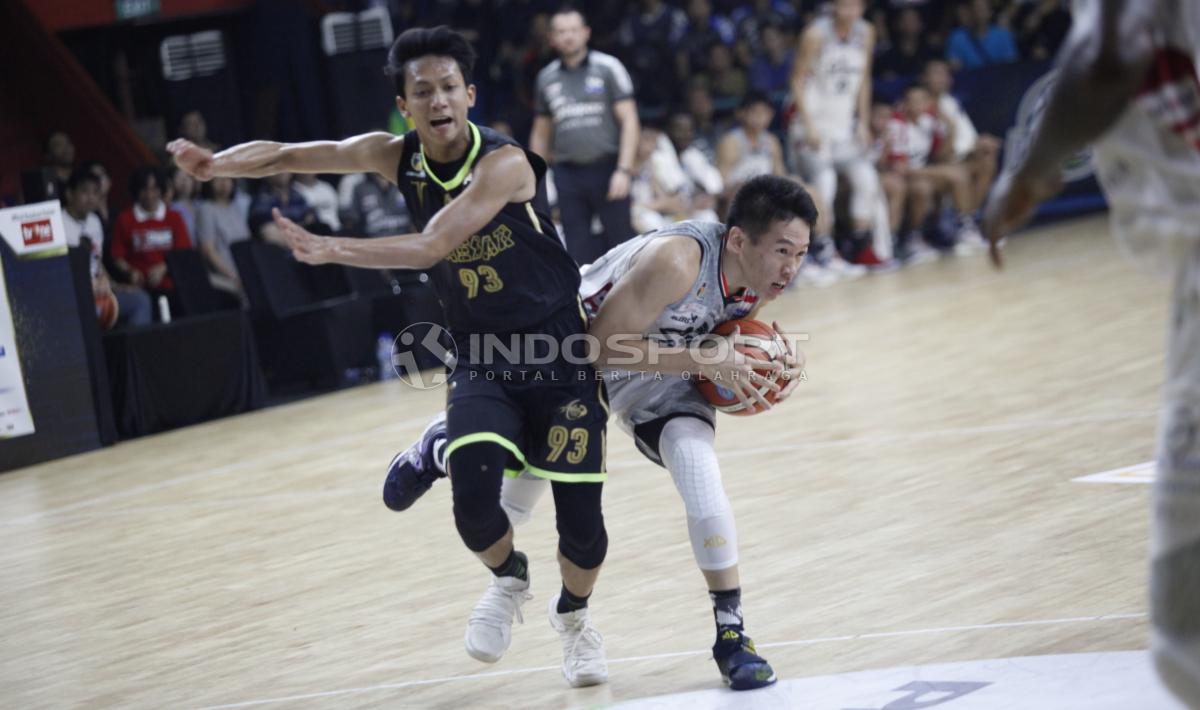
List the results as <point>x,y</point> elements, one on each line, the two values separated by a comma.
<point>574,410</point>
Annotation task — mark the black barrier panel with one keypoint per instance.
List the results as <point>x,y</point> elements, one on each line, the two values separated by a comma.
<point>54,364</point>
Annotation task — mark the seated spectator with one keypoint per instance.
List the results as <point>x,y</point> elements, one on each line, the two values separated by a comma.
<point>145,232</point>
<point>751,18</point>
<point>909,52</point>
<point>321,196</point>
<point>979,42</point>
<point>750,149</point>
<point>1041,25</point>
<point>193,127</point>
<point>277,192</point>
<point>703,31</point>
<point>60,159</point>
<point>895,187</point>
<point>80,221</point>
<point>979,154</point>
<point>697,164</point>
<point>706,128</point>
<point>771,69</point>
<point>181,196</point>
<point>377,209</point>
<point>649,39</point>
<point>661,191</point>
<point>916,139</point>
<point>221,223</point>
<point>728,81</point>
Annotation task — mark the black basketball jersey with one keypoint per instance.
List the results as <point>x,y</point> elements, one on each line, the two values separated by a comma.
<point>514,273</point>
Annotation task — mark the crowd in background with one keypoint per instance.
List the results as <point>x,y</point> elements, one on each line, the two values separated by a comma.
<point>713,82</point>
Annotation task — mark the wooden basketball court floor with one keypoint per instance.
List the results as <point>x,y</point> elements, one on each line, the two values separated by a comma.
<point>912,505</point>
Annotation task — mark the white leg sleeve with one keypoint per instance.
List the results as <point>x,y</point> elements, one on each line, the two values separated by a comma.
<point>687,449</point>
<point>864,182</point>
<point>1175,567</point>
<point>881,227</point>
<point>519,495</point>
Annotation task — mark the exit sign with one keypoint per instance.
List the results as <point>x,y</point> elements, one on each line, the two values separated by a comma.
<point>127,9</point>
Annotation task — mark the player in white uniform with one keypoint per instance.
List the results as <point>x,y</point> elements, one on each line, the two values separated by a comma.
<point>1127,80</point>
<point>831,91</point>
<point>672,287</point>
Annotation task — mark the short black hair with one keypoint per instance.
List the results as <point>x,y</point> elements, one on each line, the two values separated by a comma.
<point>81,175</point>
<point>755,97</point>
<point>140,178</point>
<point>417,42</point>
<point>767,198</point>
<point>570,9</point>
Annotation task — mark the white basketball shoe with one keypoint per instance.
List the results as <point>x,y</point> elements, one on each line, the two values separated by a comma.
<point>489,631</point>
<point>584,661</point>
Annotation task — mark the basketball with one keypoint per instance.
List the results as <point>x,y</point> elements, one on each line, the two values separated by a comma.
<point>765,344</point>
<point>106,309</point>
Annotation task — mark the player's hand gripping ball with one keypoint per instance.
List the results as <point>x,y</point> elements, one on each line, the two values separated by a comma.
<point>757,341</point>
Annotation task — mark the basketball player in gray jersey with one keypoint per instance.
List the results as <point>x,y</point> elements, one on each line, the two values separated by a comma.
<point>672,286</point>
<point>1127,80</point>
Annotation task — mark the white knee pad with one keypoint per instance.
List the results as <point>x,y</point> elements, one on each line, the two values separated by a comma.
<point>519,495</point>
<point>686,446</point>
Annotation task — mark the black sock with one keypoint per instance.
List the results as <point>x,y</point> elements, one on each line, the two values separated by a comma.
<point>517,565</point>
<point>568,602</point>
<point>727,608</point>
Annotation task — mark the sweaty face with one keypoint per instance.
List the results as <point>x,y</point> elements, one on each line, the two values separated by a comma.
<point>772,262</point>
<point>436,99</point>
<point>568,34</point>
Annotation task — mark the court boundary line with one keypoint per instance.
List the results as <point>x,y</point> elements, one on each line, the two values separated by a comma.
<point>679,654</point>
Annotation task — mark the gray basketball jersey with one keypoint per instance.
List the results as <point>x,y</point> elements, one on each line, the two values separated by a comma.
<point>637,396</point>
<point>707,302</point>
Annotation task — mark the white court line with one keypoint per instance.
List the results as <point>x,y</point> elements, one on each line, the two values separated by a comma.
<point>275,456</point>
<point>677,654</point>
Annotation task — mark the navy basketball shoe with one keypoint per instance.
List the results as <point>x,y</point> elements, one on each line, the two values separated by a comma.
<point>413,471</point>
<point>740,665</point>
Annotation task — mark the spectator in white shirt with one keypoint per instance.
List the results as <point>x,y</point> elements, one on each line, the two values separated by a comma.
<point>81,197</point>
<point>321,196</point>
<point>978,153</point>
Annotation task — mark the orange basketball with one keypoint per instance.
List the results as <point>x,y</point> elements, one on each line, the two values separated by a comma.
<point>106,309</point>
<point>766,344</point>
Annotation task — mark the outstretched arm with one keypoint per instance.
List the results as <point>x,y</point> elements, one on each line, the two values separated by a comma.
<point>501,177</point>
<point>1101,66</point>
<point>367,153</point>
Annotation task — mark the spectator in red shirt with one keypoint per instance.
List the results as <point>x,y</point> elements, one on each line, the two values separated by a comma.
<point>144,233</point>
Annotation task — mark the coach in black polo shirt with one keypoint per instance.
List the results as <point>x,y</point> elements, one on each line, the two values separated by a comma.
<point>587,127</point>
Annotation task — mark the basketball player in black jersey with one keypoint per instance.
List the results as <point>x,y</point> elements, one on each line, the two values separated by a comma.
<point>478,199</point>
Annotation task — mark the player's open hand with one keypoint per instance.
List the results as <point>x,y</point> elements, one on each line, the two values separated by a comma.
<point>793,366</point>
<point>1013,201</point>
<point>306,246</point>
<point>192,159</point>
